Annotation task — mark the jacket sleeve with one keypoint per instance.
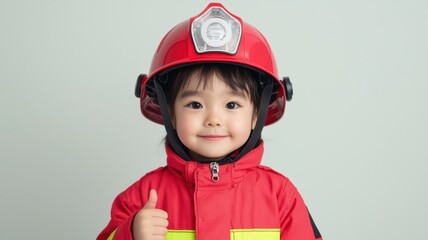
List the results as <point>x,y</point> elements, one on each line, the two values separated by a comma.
<point>296,221</point>
<point>124,208</point>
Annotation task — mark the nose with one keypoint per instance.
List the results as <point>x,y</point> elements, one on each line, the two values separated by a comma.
<point>213,119</point>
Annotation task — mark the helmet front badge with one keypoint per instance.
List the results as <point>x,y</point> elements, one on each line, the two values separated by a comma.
<point>216,31</point>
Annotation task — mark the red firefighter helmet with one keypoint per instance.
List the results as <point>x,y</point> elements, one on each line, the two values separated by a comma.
<point>214,35</point>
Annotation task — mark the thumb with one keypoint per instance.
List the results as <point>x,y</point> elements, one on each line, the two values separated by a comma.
<point>153,199</point>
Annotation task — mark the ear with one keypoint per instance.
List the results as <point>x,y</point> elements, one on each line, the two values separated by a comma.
<point>173,120</point>
<point>254,121</point>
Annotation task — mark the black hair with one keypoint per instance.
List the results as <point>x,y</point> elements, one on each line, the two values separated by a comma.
<point>238,78</point>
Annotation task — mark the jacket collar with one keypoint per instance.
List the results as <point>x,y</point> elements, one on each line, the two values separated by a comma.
<point>199,174</point>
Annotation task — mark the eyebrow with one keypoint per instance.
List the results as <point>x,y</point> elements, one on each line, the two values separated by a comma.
<point>189,93</point>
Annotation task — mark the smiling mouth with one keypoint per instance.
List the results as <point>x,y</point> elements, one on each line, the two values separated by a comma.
<point>212,137</point>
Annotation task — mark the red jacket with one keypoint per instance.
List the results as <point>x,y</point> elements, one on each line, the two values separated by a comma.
<point>249,201</point>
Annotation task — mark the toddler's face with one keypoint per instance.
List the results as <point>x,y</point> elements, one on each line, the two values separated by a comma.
<point>212,122</point>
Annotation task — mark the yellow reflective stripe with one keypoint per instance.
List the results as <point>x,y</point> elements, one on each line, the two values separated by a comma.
<point>235,234</point>
<point>255,234</point>
<point>112,235</point>
<point>181,235</point>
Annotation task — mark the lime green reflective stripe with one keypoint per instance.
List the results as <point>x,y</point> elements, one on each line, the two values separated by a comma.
<point>112,235</point>
<point>255,234</point>
<point>181,235</point>
<point>235,234</point>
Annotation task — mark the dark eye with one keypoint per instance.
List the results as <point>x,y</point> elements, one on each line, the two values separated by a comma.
<point>232,105</point>
<point>195,105</point>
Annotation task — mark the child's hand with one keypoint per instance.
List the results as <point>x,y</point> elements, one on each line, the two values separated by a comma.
<point>150,223</point>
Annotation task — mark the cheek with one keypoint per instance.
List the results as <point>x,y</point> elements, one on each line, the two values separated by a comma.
<point>241,125</point>
<point>184,127</point>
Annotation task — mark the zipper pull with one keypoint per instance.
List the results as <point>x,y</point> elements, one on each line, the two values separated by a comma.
<point>215,169</point>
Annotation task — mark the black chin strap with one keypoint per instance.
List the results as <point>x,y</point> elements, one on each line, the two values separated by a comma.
<point>171,134</point>
<point>256,134</point>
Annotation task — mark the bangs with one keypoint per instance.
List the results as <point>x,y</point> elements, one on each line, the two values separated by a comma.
<point>240,80</point>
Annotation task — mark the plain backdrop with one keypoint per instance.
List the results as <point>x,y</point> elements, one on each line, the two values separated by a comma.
<point>353,139</point>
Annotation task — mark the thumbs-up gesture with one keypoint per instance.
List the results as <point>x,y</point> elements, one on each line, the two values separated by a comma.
<point>150,223</point>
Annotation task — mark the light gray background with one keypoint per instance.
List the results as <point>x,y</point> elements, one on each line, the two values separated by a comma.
<point>353,140</point>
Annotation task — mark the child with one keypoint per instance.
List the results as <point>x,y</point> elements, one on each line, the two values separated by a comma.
<point>213,84</point>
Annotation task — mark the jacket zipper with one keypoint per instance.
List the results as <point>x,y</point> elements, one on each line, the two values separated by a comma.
<point>215,169</point>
